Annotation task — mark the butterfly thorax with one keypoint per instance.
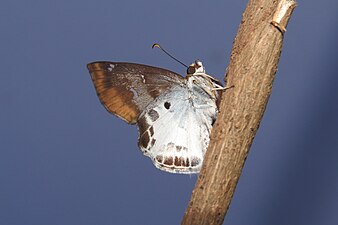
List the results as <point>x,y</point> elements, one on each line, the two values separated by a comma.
<point>202,84</point>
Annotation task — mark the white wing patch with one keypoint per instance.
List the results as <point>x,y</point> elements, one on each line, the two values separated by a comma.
<point>175,129</point>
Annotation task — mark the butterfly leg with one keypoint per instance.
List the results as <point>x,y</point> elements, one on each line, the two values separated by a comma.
<point>220,88</point>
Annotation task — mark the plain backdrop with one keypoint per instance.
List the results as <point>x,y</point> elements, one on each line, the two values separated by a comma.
<point>65,160</point>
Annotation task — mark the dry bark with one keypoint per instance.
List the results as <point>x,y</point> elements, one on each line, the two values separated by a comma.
<point>253,64</point>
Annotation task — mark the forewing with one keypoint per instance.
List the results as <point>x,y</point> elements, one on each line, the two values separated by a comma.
<point>125,89</point>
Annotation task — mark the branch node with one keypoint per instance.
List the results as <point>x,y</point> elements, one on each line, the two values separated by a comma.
<point>282,14</point>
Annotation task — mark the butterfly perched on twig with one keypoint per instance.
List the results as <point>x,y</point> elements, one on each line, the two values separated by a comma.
<point>174,114</point>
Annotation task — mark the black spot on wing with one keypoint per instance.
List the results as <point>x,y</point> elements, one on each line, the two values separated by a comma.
<point>151,130</point>
<point>144,140</point>
<point>153,114</point>
<point>167,105</point>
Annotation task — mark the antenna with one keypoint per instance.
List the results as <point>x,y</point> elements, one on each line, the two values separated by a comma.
<point>159,46</point>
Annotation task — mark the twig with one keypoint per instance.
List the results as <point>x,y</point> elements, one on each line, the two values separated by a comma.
<point>253,64</point>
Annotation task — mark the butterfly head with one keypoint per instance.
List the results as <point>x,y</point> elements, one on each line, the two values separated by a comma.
<point>196,67</point>
<point>197,77</point>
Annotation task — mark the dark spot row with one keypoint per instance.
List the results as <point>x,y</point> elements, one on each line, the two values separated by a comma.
<point>178,161</point>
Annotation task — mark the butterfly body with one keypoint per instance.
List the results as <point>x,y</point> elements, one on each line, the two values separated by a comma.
<point>174,114</point>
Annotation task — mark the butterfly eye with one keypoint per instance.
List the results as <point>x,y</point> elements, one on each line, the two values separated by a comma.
<point>167,105</point>
<point>191,69</point>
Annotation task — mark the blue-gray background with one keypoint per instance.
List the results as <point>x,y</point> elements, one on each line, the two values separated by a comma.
<point>65,160</point>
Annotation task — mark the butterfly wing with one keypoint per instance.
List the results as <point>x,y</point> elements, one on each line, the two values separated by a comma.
<point>125,89</point>
<point>175,130</point>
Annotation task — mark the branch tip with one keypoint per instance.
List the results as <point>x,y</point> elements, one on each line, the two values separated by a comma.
<point>282,14</point>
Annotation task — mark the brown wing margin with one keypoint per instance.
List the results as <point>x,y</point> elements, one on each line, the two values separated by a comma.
<point>125,89</point>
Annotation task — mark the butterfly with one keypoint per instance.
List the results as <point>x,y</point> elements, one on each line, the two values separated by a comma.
<point>174,114</point>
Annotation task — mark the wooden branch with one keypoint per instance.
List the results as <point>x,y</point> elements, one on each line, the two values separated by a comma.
<point>253,64</point>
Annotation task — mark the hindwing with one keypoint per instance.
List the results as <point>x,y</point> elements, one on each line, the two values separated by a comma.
<point>174,132</point>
